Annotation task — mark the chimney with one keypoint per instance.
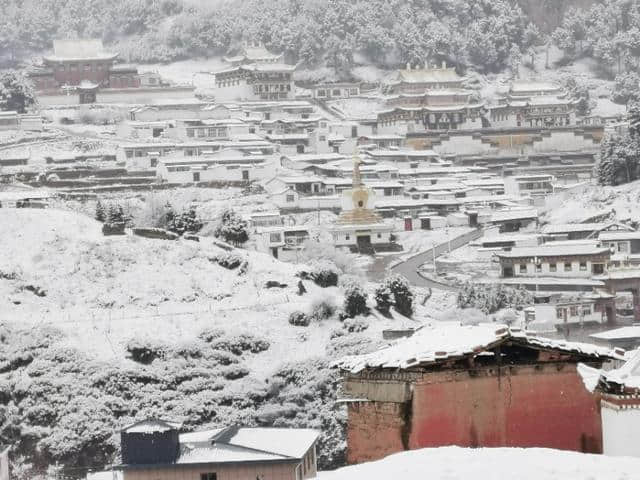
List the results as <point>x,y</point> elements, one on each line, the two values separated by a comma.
<point>444,64</point>
<point>408,65</point>
<point>426,64</point>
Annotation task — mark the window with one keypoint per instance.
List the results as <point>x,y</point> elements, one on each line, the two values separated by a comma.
<point>553,267</point>
<point>211,132</point>
<point>598,268</point>
<point>559,313</point>
<point>245,175</point>
<point>354,132</point>
<point>586,310</point>
<point>190,132</point>
<point>201,132</point>
<point>347,237</point>
<point>275,237</point>
<point>322,93</point>
<point>323,138</point>
<point>208,476</point>
<point>196,176</point>
<point>573,311</point>
<point>539,267</point>
<point>87,67</point>
<point>567,267</point>
<point>290,198</point>
<point>336,92</point>
<point>379,235</point>
<point>583,266</point>
<point>623,247</point>
<point>523,268</point>
<point>154,162</point>
<point>128,153</point>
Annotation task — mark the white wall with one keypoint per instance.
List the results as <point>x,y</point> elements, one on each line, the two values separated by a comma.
<point>621,432</point>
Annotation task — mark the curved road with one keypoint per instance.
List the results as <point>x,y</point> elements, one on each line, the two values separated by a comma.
<point>410,268</point>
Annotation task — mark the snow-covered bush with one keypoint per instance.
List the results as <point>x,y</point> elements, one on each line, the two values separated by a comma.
<point>355,300</point>
<point>185,222</point>
<point>322,307</point>
<point>355,325</point>
<point>491,298</point>
<point>229,260</point>
<point>240,343</point>
<point>145,350</point>
<point>232,228</point>
<point>344,261</point>
<point>324,274</point>
<point>403,296</point>
<point>299,319</point>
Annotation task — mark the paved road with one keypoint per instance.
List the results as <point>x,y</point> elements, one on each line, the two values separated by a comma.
<point>411,266</point>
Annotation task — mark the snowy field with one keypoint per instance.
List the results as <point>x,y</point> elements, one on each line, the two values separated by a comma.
<point>453,463</point>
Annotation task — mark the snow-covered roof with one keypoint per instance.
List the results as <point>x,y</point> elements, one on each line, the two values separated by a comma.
<point>449,341</point>
<point>557,250</point>
<point>513,214</point>
<point>618,333</point>
<point>402,153</point>
<point>287,442</point>
<point>556,229</point>
<point>612,236</point>
<point>606,108</point>
<point>236,444</point>
<point>544,281</point>
<point>151,425</point>
<point>490,464</point>
<point>221,453</point>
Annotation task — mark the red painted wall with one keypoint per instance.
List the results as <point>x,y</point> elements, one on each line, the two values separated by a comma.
<point>529,408</point>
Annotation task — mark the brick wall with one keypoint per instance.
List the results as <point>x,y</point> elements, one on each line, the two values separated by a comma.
<point>524,406</point>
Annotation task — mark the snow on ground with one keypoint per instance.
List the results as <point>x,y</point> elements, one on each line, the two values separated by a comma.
<point>579,204</point>
<point>417,241</point>
<point>450,463</point>
<point>188,72</point>
<point>104,291</point>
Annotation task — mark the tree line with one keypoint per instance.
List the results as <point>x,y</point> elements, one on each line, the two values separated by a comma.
<point>466,33</point>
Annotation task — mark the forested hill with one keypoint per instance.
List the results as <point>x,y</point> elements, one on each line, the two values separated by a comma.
<point>484,34</point>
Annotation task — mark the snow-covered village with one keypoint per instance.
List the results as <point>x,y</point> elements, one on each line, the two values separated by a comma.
<point>319,239</point>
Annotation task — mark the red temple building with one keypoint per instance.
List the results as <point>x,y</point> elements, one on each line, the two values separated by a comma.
<point>83,63</point>
<point>471,386</point>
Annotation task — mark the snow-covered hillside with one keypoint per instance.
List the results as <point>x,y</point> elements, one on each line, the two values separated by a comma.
<point>132,327</point>
<point>589,201</point>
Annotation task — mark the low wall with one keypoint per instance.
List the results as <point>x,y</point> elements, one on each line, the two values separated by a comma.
<point>130,96</point>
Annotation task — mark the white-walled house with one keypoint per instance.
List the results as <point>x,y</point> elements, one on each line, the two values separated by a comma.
<point>619,391</point>
<point>282,242</point>
<point>218,169</point>
<point>557,259</point>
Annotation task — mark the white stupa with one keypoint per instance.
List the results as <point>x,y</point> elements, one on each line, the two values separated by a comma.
<point>359,226</point>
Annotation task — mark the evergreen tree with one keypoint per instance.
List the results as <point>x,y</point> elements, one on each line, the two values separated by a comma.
<point>384,299</point>
<point>355,300</point>
<point>100,213</point>
<point>16,92</point>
